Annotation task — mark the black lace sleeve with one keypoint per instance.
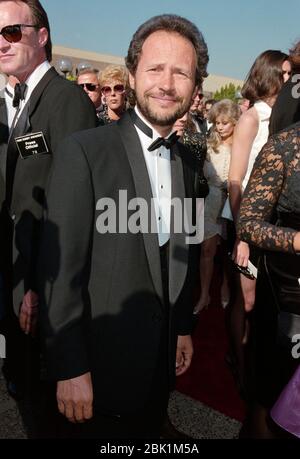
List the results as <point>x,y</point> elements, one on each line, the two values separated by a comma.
<point>260,200</point>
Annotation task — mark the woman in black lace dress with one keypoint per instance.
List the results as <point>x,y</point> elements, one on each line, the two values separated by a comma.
<point>270,219</point>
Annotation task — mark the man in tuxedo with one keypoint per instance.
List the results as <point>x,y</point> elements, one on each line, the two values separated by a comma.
<point>117,305</point>
<point>36,115</point>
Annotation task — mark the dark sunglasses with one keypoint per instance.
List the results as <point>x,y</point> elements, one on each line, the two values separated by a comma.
<point>118,89</point>
<point>286,72</point>
<point>89,86</point>
<point>13,33</point>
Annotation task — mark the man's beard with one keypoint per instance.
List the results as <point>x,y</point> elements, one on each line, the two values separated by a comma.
<point>159,119</point>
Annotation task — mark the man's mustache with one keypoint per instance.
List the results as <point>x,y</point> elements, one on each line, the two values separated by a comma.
<point>163,94</point>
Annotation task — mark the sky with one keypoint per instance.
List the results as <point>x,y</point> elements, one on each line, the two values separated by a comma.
<point>236,31</point>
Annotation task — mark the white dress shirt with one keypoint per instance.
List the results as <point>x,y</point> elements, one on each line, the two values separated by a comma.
<point>159,170</point>
<point>8,96</point>
<point>31,82</point>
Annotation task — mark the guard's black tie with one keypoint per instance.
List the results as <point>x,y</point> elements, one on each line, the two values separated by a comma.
<point>20,92</point>
<point>168,143</point>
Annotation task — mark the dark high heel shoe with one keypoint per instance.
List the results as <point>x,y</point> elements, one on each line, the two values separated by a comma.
<point>169,432</point>
<point>224,302</point>
<point>238,377</point>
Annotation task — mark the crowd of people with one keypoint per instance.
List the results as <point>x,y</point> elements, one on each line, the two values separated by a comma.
<point>98,318</point>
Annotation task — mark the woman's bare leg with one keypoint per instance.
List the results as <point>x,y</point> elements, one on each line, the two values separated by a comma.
<point>208,251</point>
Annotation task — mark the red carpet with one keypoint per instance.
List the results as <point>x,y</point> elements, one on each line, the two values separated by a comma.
<point>209,379</point>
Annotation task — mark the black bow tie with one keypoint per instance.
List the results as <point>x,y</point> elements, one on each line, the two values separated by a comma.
<point>168,143</point>
<point>161,141</point>
<point>20,92</point>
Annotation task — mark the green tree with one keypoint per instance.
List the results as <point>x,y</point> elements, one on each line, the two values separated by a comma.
<point>227,92</point>
<point>71,77</point>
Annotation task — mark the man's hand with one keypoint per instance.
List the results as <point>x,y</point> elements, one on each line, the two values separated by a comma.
<point>28,313</point>
<point>75,398</point>
<point>184,354</point>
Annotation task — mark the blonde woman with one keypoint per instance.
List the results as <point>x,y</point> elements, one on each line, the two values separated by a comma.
<point>114,86</point>
<point>223,116</point>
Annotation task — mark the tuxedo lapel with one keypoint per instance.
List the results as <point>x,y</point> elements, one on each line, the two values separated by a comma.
<point>3,147</point>
<point>39,89</point>
<point>140,175</point>
<point>12,155</point>
<point>3,114</point>
<point>3,136</point>
<point>22,127</point>
<point>178,248</point>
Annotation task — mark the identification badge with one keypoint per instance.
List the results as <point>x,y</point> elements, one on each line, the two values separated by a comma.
<point>31,145</point>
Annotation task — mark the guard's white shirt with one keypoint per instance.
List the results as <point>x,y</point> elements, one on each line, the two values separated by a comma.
<point>8,95</point>
<point>31,82</point>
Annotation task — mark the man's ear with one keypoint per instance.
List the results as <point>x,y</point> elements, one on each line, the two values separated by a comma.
<point>131,81</point>
<point>43,37</point>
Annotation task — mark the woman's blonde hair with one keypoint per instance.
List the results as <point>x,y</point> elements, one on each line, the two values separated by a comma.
<point>227,109</point>
<point>113,72</point>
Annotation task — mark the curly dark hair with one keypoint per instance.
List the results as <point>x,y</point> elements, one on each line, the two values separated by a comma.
<point>169,23</point>
<point>265,77</point>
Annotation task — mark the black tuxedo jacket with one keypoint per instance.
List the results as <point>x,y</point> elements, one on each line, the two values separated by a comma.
<point>103,307</point>
<point>57,108</point>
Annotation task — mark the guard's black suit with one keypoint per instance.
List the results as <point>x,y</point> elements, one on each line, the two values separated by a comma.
<point>56,108</point>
